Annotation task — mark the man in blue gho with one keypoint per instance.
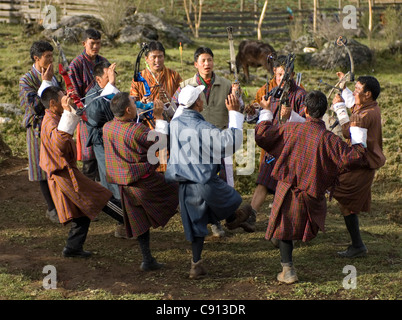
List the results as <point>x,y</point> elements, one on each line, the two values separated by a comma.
<point>196,150</point>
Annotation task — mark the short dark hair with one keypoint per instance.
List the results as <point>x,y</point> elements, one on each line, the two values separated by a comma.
<point>316,103</point>
<point>370,84</point>
<point>50,93</point>
<point>99,68</point>
<point>281,62</point>
<point>202,50</point>
<point>91,34</point>
<point>119,103</point>
<point>154,46</point>
<point>38,48</point>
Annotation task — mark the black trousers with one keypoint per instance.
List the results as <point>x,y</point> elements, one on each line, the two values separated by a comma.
<point>78,233</point>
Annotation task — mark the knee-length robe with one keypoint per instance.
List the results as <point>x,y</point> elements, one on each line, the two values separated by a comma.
<point>354,189</point>
<point>309,160</point>
<point>147,199</point>
<point>74,194</point>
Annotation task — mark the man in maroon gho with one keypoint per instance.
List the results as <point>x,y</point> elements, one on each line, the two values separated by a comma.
<point>309,161</point>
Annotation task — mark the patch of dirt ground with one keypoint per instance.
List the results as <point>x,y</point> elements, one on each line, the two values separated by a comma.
<point>28,243</point>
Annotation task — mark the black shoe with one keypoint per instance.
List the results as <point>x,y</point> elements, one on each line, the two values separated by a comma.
<point>249,224</point>
<point>68,253</point>
<point>242,215</point>
<point>353,252</point>
<point>151,266</point>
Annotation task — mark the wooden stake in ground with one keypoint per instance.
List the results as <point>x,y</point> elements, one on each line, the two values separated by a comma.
<point>181,58</point>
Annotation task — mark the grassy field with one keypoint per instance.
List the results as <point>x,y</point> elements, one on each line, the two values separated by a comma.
<point>242,266</point>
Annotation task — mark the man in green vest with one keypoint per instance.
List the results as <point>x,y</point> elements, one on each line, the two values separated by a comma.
<point>216,91</point>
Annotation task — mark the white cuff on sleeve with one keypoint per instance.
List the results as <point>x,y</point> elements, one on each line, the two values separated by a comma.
<point>265,115</point>
<point>341,112</point>
<point>45,84</point>
<point>295,117</point>
<point>109,89</point>
<point>349,98</point>
<point>162,126</point>
<point>358,135</point>
<point>236,119</point>
<point>68,122</point>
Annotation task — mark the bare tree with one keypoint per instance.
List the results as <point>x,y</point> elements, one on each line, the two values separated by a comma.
<point>315,16</point>
<point>112,13</point>
<point>370,26</point>
<point>197,16</point>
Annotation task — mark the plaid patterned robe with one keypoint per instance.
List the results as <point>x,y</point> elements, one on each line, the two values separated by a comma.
<point>309,160</point>
<point>258,96</point>
<point>354,189</point>
<point>34,111</point>
<point>296,101</point>
<point>170,81</point>
<point>147,200</point>
<point>74,194</point>
<point>82,78</point>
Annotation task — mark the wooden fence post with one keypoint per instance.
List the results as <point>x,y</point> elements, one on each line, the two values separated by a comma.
<point>315,16</point>
<point>259,37</point>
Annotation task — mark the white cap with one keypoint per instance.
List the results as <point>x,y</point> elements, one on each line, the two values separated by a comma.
<point>189,94</point>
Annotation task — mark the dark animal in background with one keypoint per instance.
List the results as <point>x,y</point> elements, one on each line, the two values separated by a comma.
<point>255,54</point>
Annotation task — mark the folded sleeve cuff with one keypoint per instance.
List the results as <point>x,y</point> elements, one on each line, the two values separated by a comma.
<point>236,119</point>
<point>162,126</point>
<point>358,135</point>
<point>109,89</point>
<point>295,117</point>
<point>349,98</point>
<point>265,115</point>
<point>68,122</point>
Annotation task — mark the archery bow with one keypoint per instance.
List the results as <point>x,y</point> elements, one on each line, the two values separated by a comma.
<point>148,113</point>
<point>137,74</point>
<point>349,76</point>
<point>281,92</point>
<point>63,71</point>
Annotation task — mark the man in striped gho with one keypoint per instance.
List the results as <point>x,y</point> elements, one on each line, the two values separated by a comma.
<point>309,161</point>
<point>81,74</point>
<point>163,83</point>
<point>78,199</point>
<point>147,200</point>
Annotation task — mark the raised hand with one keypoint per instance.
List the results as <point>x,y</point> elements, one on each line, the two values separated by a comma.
<point>158,109</point>
<point>47,74</point>
<point>232,102</point>
<point>112,74</point>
